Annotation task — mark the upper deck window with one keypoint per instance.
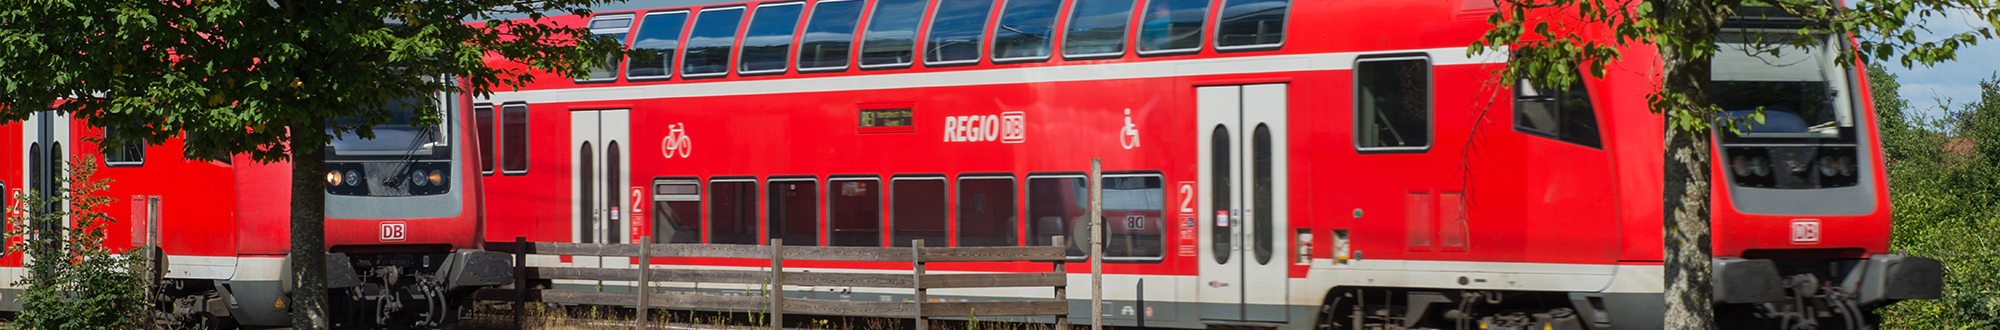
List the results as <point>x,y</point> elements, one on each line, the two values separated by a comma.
<point>124,152</point>
<point>892,33</point>
<point>769,39</point>
<point>957,30</point>
<point>1026,30</point>
<point>616,26</point>
<point>653,49</point>
<point>709,45</point>
<point>1562,114</point>
<point>1172,26</point>
<point>1251,24</point>
<point>1097,28</point>
<point>829,35</point>
<point>1392,102</point>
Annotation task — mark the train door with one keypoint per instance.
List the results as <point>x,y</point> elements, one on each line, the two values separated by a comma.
<point>1242,198</point>
<point>600,150</point>
<point>47,152</point>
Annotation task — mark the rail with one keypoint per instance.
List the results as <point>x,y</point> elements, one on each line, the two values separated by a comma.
<point>775,303</point>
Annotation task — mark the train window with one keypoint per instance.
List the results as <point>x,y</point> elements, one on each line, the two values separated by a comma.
<point>918,209</point>
<point>1026,30</point>
<point>1097,28</point>
<point>957,29</point>
<point>587,221</point>
<point>986,211</point>
<point>654,47</point>
<point>514,139</point>
<point>854,212</point>
<point>1559,114</point>
<point>1055,203</point>
<point>1222,196</point>
<point>615,26</point>
<point>1172,26</point>
<point>793,213</point>
<point>123,152</point>
<point>1135,215</point>
<point>676,211</point>
<point>614,194</point>
<point>1261,195</point>
<point>892,33</point>
<point>732,211</point>
<point>829,36</point>
<point>711,41</point>
<point>483,113</point>
<point>1392,104</point>
<point>1251,24</point>
<point>769,39</point>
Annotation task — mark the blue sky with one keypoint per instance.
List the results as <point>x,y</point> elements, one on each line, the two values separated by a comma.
<point>1956,80</point>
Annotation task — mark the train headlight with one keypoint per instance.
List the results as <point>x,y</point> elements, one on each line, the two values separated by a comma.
<point>1760,166</point>
<point>353,178</point>
<point>1747,166</point>
<point>417,179</point>
<point>1846,165</point>
<point>333,178</point>
<point>1828,166</point>
<point>436,178</point>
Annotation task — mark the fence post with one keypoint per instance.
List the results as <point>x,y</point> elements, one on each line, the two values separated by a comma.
<point>520,281</point>
<point>917,270</point>
<point>1096,244</point>
<point>777,284</point>
<point>1062,291</point>
<point>645,281</point>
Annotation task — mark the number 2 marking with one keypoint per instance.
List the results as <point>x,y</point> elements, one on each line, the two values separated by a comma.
<point>637,197</point>
<point>1187,197</point>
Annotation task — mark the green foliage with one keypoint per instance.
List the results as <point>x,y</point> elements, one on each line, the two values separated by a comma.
<point>237,72</point>
<point>1944,176</point>
<point>75,281</point>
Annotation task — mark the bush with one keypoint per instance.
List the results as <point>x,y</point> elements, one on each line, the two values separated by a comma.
<point>75,281</point>
<point>1944,180</point>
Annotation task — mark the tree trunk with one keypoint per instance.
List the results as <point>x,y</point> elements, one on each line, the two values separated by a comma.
<point>308,229</point>
<point>1689,291</point>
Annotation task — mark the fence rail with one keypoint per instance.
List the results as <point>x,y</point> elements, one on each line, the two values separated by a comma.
<point>775,302</point>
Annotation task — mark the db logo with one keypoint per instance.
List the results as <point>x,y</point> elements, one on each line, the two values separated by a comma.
<point>1805,231</point>
<point>1135,222</point>
<point>394,231</point>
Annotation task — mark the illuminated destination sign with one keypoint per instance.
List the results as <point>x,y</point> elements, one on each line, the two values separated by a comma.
<point>886,118</point>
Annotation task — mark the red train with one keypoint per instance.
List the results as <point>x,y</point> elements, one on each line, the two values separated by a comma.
<point>402,221</point>
<point>1270,164</point>
<point>1273,163</point>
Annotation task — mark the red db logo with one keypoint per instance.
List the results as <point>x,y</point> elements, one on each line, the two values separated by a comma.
<point>393,231</point>
<point>1805,231</point>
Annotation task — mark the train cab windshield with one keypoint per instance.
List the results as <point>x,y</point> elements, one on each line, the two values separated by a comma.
<point>399,138</point>
<point>1803,92</point>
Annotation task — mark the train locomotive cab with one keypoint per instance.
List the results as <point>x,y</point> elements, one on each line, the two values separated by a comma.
<point>1801,218</point>
<point>402,223</point>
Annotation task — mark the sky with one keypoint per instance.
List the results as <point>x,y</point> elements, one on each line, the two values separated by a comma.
<point>1958,80</point>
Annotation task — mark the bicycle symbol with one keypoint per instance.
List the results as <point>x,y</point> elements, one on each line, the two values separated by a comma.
<point>1128,136</point>
<point>676,141</point>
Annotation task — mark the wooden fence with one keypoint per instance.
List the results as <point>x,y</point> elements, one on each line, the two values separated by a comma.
<point>775,302</point>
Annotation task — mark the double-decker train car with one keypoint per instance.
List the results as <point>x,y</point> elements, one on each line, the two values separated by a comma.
<point>402,223</point>
<point>1269,163</point>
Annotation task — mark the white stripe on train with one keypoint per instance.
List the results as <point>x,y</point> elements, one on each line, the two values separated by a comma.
<point>1130,70</point>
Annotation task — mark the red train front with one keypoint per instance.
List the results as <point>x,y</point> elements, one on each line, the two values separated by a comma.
<point>402,222</point>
